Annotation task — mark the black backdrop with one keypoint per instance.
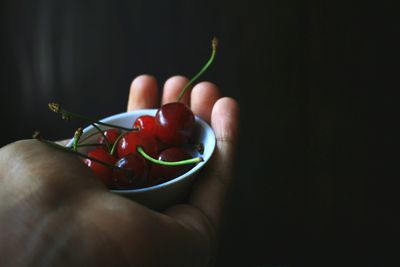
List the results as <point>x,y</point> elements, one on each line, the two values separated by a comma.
<point>299,69</point>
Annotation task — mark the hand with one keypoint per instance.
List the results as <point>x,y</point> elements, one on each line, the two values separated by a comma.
<point>54,212</point>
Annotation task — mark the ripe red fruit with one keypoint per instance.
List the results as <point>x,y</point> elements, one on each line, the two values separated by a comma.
<point>129,142</point>
<point>174,123</point>
<point>111,135</point>
<point>162,173</point>
<point>102,171</point>
<point>137,175</point>
<point>145,123</point>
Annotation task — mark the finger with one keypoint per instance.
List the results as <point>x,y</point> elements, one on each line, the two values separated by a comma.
<point>210,192</point>
<point>143,93</point>
<point>202,99</point>
<point>172,88</point>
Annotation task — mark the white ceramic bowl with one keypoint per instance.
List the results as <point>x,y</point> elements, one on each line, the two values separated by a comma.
<point>166,194</point>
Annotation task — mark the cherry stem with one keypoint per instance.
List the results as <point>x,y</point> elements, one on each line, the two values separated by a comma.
<point>116,144</point>
<point>168,163</point>
<point>66,149</point>
<point>77,136</point>
<point>69,115</point>
<point>87,137</point>
<point>214,44</point>
<point>104,136</point>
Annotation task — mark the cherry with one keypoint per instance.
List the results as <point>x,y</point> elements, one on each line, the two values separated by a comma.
<point>129,142</point>
<point>111,135</point>
<point>162,173</point>
<point>174,123</point>
<point>137,175</point>
<point>145,123</point>
<point>102,171</point>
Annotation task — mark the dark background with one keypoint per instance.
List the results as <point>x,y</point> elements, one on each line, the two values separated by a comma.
<point>307,191</point>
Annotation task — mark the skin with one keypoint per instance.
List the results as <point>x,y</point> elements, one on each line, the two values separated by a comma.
<point>54,212</point>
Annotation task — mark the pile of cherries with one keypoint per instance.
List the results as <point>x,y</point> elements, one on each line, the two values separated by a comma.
<point>164,137</point>
<point>153,151</point>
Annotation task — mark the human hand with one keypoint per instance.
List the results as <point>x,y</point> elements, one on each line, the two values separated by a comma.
<point>54,212</point>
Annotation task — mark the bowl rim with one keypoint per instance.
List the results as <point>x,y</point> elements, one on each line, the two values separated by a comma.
<point>175,180</point>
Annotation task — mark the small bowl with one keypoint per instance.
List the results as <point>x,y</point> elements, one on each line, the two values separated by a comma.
<point>163,195</point>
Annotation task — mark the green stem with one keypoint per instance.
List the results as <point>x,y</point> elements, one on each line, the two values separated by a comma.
<point>104,136</point>
<point>60,147</point>
<point>77,136</point>
<point>87,137</point>
<point>168,163</point>
<point>116,144</point>
<point>68,115</point>
<point>214,44</point>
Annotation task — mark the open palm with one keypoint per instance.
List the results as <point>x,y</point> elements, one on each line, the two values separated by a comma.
<point>54,212</point>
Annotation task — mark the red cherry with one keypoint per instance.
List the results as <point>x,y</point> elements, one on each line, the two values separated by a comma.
<point>102,171</point>
<point>162,173</point>
<point>174,123</point>
<point>129,142</point>
<point>145,123</point>
<point>136,178</point>
<point>111,135</point>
